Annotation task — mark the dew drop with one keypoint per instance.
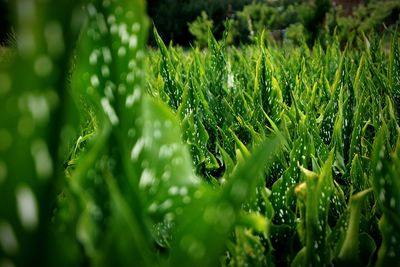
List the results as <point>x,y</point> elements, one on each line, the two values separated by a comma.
<point>183,191</point>
<point>173,190</point>
<point>8,240</point>
<point>132,132</point>
<point>146,179</point>
<point>109,110</point>
<point>379,166</point>
<point>135,27</point>
<point>166,176</point>
<point>111,19</point>
<point>39,108</point>
<point>109,90</point>
<point>166,205</point>
<point>130,78</point>
<point>121,51</point>
<point>107,55</point>
<point>153,207</point>
<point>91,10</point>
<point>93,57</point>
<point>114,29</point>
<point>134,97</point>
<point>94,80</point>
<point>138,147</point>
<point>122,89</point>
<point>133,41</point>
<point>105,71</point>
<point>131,64</point>
<point>392,202</point>
<point>43,66</point>
<point>42,159</point>
<point>101,24</point>
<point>27,207</point>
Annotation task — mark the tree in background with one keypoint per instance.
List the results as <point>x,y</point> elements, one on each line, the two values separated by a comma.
<point>314,24</point>
<point>307,21</point>
<point>304,19</point>
<point>372,16</point>
<point>171,17</point>
<point>199,29</point>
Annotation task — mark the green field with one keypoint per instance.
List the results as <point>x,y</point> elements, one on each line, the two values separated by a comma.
<point>116,154</point>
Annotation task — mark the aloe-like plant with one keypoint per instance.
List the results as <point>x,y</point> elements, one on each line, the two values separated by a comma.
<point>113,153</point>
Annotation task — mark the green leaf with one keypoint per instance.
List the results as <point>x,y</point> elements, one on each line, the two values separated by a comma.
<point>34,104</point>
<point>319,190</point>
<point>349,253</point>
<point>387,192</point>
<point>172,86</point>
<point>205,224</point>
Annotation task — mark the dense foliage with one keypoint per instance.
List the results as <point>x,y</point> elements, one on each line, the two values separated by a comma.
<point>111,155</point>
<point>284,20</point>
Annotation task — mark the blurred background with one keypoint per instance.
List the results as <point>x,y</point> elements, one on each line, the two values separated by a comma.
<point>5,24</point>
<point>186,22</point>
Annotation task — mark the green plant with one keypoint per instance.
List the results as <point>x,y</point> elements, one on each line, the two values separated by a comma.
<point>296,33</point>
<point>221,157</point>
<point>372,17</point>
<point>199,29</point>
<point>318,205</point>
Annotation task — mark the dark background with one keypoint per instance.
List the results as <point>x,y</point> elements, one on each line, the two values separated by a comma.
<point>5,25</point>
<point>316,18</point>
<point>171,17</point>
